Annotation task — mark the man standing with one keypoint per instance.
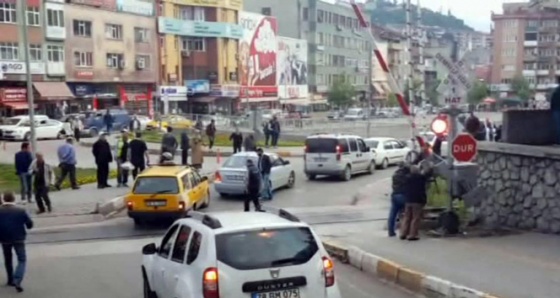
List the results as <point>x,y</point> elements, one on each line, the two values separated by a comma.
<point>275,127</point>
<point>237,139</point>
<point>211,133</point>
<point>253,183</point>
<point>416,199</point>
<point>23,160</point>
<point>44,178</point>
<point>101,151</point>
<point>13,224</point>
<point>134,124</point>
<point>67,163</point>
<point>265,166</point>
<point>169,142</point>
<point>121,155</point>
<point>184,148</point>
<point>138,154</point>
<point>108,121</point>
<point>77,127</point>
<point>398,199</point>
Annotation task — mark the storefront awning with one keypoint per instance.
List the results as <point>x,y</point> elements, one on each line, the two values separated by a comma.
<point>53,90</point>
<point>17,105</point>
<point>204,99</point>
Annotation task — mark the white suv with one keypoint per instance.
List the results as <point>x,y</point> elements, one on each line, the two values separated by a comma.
<point>239,254</point>
<point>337,155</point>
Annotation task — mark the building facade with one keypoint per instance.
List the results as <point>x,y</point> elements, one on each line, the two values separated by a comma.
<point>198,43</point>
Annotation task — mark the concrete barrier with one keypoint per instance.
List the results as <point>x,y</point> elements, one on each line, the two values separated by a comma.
<point>416,282</point>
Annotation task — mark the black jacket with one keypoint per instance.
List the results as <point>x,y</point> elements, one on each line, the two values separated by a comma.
<point>237,138</point>
<point>253,179</point>
<point>13,224</point>
<point>169,143</point>
<point>102,152</point>
<point>185,141</point>
<point>264,164</point>
<point>415,190</point>
<point>399,180</point>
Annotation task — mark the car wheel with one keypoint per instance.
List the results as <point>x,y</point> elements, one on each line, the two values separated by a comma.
<point>206,202</point>
<point>347,174</point>
<point>148,293</point>
<point>371,167</point>
<point>291,180</point>
<point>27,136</point>
<point>311,176</point>
<point>385,163</point>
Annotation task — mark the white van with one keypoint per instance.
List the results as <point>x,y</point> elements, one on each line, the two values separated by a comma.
<point>337,155</point>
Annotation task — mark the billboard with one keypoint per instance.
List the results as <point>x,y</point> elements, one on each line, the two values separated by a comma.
<point>292,68</point>
<point>257,55</point>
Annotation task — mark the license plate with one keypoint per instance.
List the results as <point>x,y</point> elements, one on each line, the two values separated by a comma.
<point>320,159</point>
<point>292,293</point>
<point>156,203</point>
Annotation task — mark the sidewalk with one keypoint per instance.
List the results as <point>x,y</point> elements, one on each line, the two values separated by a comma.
<point>521,265</point>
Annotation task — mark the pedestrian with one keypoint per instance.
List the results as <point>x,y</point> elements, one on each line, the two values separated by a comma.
<point>134,124</point>
<point>473,126</point>
<point>211,134</point>
<point>23,160</point>
<point>498,136</point>
<point>77,127</point>
<point>237,139</point>
<point>249,143</point>
<point>13,224</point>
<point>275,134</point>
<point>416,199</point>
<point>122,157</point>
<point>67,163</point>
<point>197,158</point>
<point>44,178</point>
<point>101,151</point>
<point>139,157</point>
<point>169,142</point>
<point>267,130</point>
<point>198,125</point>
<point>398,199</point>
<point>108,120</point>
<point>253,183</point>
<point>185,146</point>
<point>265,166</point>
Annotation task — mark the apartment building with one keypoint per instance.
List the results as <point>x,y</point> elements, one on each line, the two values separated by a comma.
<point>526,41</point>
<point>46,36</point>
<point>198,51</point>
<point>112,54</point>
<point>391,46</point>
<point>337,46</point>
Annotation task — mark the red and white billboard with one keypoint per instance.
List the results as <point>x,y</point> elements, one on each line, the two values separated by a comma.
<point>257,56</point>
<point>292,68</point>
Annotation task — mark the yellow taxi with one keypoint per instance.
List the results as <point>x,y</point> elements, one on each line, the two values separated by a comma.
<point>167,192</point>
<point>175,121</point>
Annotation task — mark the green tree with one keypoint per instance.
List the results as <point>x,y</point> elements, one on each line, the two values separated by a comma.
<point>478,92</point>
<point>341,93</point>
<point>392,100</point>
<point>521,87</point>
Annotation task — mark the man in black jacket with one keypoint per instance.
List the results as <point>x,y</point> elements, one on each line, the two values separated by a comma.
<point>398,198</point>
<point>103,157</point>
<point>265,167</point>
<point>13,224</point>
<point>185,147</point>
<point>416,199</point>
<point>138,154</point>
<point>253,187</point>
<point>237,140</point>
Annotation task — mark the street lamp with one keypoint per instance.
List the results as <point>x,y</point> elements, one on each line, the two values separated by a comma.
<point>29,81</point>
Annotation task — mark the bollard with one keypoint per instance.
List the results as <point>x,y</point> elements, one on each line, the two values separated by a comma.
<point>218,156</point>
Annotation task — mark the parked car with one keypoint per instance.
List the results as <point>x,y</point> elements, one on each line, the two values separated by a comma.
<point>335,115</point>
<point>230,178</point>
<point>19,128</point>
<point>387,151</point>
<point>355,114</point>
<point>175,121</point>
<point>95,124</point>
<point>144,120</point>
<point>239,255</point>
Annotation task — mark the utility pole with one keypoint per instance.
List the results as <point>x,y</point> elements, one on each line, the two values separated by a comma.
<point>28,78</point>
<point>370,86</point>
<point>410,70</point>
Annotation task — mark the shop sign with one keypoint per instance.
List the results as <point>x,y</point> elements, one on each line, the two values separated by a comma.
<point>139,7</point>
<point>225,90</point>
<point>259,91</point>
<point>82,90</point>
<point>84,74</point>
<point>13,94</point>
<point>13,67</point>
<point>199,28</point>
<point>198,86</point>
<point>173,91</point>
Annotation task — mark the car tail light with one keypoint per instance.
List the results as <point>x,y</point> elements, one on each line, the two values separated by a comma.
<point>181,205</point>
<point>217,177</point>
<point>210,286</point>
<point>328,269</point>
<point>129,205</point>
<point>338,153</point>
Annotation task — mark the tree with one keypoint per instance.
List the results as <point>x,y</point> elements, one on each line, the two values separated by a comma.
<point>392,100</point>
<point>477,93</point>
<point>341,93</point>
<point>521,87</point>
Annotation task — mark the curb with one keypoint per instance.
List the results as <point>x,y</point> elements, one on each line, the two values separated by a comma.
<point>416,282</point>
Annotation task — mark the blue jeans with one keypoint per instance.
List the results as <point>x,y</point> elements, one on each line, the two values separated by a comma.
<point>266,192</point>
<point>397,206</point>
<point>25,183</point>
<point>15,277</point>
<point>556,116</point>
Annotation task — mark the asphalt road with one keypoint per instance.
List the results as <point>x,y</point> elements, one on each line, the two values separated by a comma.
<point>111,269</point>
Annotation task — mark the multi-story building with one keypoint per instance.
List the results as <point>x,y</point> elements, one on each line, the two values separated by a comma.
<point>45,28</point>
<point>112,54</point>
<point>526,42</point>
<point>390,44</point>
<point>337,45</point>
<point>198,50</point>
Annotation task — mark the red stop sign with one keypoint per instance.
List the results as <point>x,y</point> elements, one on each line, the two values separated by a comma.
<point>463,148</point>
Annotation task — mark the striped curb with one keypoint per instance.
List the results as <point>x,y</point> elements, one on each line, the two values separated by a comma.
<point>416,282</point>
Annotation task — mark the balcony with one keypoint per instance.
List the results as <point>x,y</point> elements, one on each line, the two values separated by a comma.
<point>56,69</point>
<point>54,12</point>
<point>542,86</point>
<point>530,43</point>
<point>529,72</point>
<point>529,57</point>
<point>543,72</point>
<point>557,72</point>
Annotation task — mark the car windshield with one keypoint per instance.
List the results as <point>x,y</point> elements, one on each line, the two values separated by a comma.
<point>353,112</point>
<point>263,248</point>
<point>372,143</point>
<point>321,145</point>
<point>153,185</point>
<point>12,121</point>
<point>238,161</point>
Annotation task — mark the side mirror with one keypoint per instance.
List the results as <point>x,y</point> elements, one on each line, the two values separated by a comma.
<point>204,178</point>
<point>150,249</point>
<point>286,162</point>
<point>368,149</point>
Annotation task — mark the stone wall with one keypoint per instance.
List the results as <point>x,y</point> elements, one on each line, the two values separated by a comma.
<point>523,183</point>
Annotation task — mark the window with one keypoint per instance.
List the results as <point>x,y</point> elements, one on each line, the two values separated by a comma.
<point>82,28</point>
<point>9,51</point>
<point>143,61</point>
<point>148,185</point>
<point>267,11</point>
<point>33,16</point>
<point>35,52</point>
<point>362,146</point>
<point>55,53</point>
<point>8,13</point>
<point>320,16</point>
<point>141,34</point>
<point>113,31</point>
<point>238,162</point>
<point>167,242</point>
<point>196,44</point>
<point>249,250</point>
<point>387,146</point>
<point>191,13</point>
<point>194,248</point>
<point>83,59</point>
<point>353,145</point>
<point>305,13</point>
<point>321,145</point>
<point>180,247</point>
<point>55,18</point>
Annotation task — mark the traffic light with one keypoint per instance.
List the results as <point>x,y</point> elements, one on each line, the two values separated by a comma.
<point>440,126</point>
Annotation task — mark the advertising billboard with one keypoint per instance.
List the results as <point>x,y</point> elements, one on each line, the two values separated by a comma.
<point>292,68</point>
<point>257,55</point>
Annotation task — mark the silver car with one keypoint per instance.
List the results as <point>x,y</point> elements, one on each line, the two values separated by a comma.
<point>230,178</point>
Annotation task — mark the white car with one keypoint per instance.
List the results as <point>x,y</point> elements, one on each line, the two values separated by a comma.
<point>144,120</point>
<point>230,178</point>
<point>19,128</point>
<point>355,114</point>
<point>239,255</point>
<point>387,151</point>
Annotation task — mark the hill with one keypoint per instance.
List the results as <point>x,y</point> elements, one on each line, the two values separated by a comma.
<point>387,12</point>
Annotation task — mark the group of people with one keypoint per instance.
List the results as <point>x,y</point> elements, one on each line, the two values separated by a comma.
<point>258,181</point>
<point>271,130</point>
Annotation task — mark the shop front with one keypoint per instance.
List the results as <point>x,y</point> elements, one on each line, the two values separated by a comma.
<point>13,102</point>
<point>260,97</point>
<point>200,101</point>
<point>227,98</point>
<point>52,97</point>
<point>137,101</point>
<point>176,97</point>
